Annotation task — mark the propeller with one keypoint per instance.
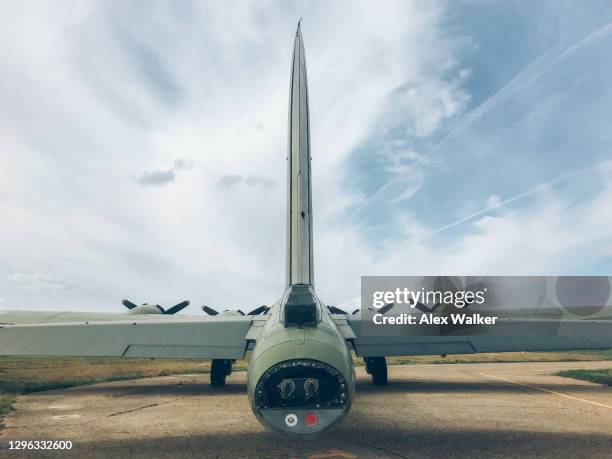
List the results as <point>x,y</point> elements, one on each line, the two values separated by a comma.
<point>212,312</point>
<point>173,310</point>
<point>257,311</point>
<point>335,310</point>
<point>128,304</point>
<point>209,311</point>
<point>177,307</point>
<point>386,308</point>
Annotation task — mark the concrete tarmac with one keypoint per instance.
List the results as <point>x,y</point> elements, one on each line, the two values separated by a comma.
<point>455,410</point>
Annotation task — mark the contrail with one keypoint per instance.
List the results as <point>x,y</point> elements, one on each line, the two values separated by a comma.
<point>599,33</point>
<point>518,197</point>
<point>525,77</point>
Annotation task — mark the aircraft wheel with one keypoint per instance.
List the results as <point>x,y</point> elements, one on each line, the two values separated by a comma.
<point>219,369</point>
<point>377,367</point>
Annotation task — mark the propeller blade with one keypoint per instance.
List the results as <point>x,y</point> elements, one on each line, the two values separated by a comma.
<point>128,304</point>
<point>177,307</point>
<point>356,311</point>
<point>423,308</point>
<point>386,307</point>
<point>209,311</point>
<point>260,310</point>
<point>335,310</point>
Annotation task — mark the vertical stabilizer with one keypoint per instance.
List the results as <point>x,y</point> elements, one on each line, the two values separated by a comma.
<point>299,195</point>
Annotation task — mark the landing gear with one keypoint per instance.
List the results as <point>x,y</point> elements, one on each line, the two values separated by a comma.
<point>219,369</point>
<point>377,367</point>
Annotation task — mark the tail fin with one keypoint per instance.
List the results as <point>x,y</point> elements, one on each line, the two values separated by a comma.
<point>299,195</point>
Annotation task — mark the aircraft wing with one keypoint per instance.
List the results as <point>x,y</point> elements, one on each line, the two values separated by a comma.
<point>513,334</point>
<point>124,335</point>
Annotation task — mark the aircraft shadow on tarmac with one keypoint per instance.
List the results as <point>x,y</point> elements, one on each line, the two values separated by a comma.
<point>437,386</point>
<point>361,434</point>
<point>362,438</point>
<point>196,387</point>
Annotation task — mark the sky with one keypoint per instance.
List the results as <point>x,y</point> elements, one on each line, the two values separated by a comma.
<point>143,144</point>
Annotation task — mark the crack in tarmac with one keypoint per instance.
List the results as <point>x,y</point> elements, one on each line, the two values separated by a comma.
<point>85,421</point>
<point>131,411</point>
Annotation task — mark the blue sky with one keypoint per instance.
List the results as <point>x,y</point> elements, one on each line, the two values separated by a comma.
<point>143,146</point>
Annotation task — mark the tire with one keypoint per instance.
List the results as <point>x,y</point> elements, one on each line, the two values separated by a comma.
<point>218,372</point>
<point>379,371</point>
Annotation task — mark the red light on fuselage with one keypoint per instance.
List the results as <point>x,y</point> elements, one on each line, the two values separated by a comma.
<point>311,419</point>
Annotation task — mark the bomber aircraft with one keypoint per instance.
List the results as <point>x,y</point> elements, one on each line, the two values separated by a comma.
<point>300,378</point>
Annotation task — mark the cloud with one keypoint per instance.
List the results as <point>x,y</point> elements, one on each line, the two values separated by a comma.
<point>163,177</point>
<point>495,202</point>
<point>233,180</point>
<point>404,143</point>
<point>550,234</point>
<point>39,281</point>
<point>157,178</point>
<point>230,180</point>
<point>104,80</point>
<point>183,164</point>
<point>262,182</point>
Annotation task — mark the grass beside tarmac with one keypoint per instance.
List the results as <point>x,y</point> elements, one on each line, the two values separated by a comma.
<point>6,405</point>
<point>23,375</point>
<point>567,356</point>
<point>602,376</point>
<point>31,374</point>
